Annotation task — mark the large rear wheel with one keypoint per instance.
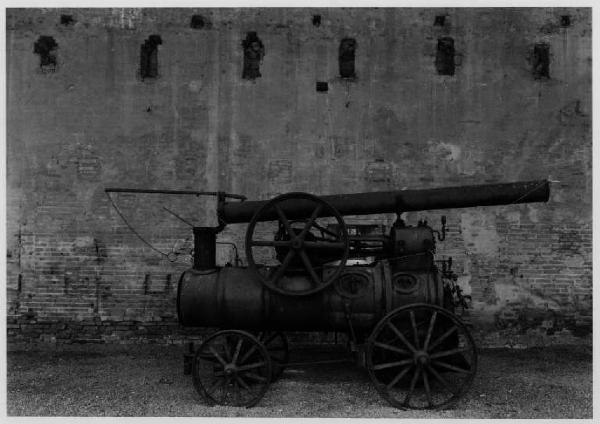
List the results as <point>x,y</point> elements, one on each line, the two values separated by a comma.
<point>421,356</point>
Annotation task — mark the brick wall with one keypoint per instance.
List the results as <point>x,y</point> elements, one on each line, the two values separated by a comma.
<point>82,118</point>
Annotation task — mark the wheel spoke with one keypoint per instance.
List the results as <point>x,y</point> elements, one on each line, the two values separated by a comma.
<point>441,379</point>
<point>309,267</point>
<point>216,385</point>
<point>392,348</point>
<point>251,366</point>
<point>225,392</point>
<point>427,389</point>
<point>247,354</point>
<point>282,267</point>
<point>392,364</point>
<point>451,367</point>
<point>237,350</point>
<point>449,352</point>
<point>236,390</point>
<point>411,389</point>
<point>430,330</point>
<point>443,337</point>
<point>310,221</point>
<point>398,377</point>
<point>270,339</point>
<point>242,383</point>
<point>401,336</point>
<point>226,349</point>
<point>283,219</point>
<point>414,327</point>
<point>216,355</point>
<point>325,230</point>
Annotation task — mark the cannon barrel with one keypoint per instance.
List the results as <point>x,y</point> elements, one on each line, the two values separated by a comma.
<point>398,201</point>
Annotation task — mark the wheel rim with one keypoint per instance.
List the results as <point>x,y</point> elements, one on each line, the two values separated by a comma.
<point>421,357</point>
<point>232,368</point>
<point>277,346</point>
<point>298,245</point>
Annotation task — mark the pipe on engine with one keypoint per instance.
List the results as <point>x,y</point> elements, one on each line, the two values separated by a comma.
<point>397,201</point>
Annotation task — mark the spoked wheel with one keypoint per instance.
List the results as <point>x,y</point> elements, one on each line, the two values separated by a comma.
<point>277,345</point>
<point>303,244</point>
<point>232,368</point>
<point>421,357</point>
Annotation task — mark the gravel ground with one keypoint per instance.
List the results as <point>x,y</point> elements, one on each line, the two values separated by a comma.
<point>148,380</point>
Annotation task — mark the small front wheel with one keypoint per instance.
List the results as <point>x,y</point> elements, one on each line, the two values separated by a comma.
<point>232,368</point>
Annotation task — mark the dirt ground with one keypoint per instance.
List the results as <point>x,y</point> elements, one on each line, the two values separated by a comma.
<point>148,380</point>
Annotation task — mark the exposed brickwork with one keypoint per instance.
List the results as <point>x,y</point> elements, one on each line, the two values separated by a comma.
<point>101,331</point>
<point>76,272</point>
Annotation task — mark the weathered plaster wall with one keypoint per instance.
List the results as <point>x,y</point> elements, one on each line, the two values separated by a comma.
<point>75,270</point>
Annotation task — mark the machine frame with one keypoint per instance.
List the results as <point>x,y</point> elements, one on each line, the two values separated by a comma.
<point>386,292</point>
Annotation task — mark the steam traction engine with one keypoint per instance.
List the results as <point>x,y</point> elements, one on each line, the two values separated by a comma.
<point>307,271</point>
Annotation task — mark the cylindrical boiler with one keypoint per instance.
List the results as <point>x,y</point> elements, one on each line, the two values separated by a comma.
<point>233,297</point>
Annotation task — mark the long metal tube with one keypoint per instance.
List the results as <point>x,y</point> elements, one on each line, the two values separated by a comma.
<point>177,192</point>
<point>398,201</point>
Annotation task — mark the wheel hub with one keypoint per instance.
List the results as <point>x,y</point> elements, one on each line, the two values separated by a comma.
<point>421,358</point>
<point>230,369</point>
<point>296,243</point>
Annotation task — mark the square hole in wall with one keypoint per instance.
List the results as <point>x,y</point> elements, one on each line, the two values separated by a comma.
<point>197,22</point>
<point>322,86</point>
<point>67,20</point>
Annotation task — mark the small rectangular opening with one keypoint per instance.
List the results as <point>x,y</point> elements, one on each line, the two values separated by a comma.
<point>46,47</point>
<point>197,22</point>
<point>149,57</point>
<point>444,59</point>
<point>541,61</point>
<point>346,58</point>
<point>322,86</point>
<point>254,51</point>
<point>67,20</point>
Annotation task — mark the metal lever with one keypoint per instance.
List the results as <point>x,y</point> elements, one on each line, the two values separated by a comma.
<point>182,192</point>
<point>442,236</point>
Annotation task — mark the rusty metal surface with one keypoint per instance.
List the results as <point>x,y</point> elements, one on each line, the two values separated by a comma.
<point>233,297</point>
<point>401,201</point>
